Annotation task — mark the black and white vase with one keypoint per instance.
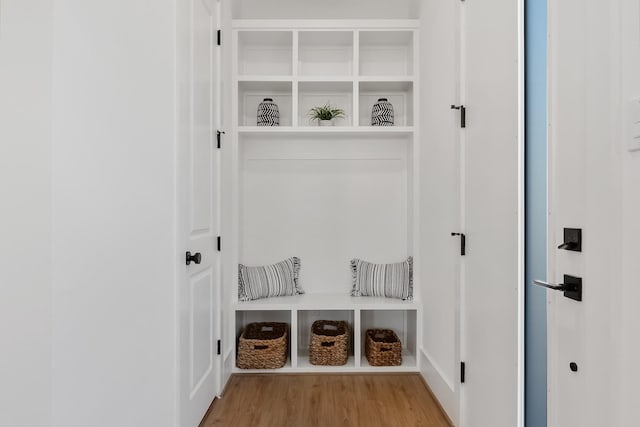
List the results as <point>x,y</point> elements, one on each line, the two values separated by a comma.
<point>268,113</point>
<point>382,113</point>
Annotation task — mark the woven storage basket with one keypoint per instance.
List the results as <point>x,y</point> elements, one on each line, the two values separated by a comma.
<point>383,348</point>
<point>263,346</point>
<point>329,343</point>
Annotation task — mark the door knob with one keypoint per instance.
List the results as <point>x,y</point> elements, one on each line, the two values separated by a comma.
<point>572,287</point>
<point>197,258</point>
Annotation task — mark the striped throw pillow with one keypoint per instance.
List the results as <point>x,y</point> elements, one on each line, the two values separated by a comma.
<point>275,280</point>
<point>383,280</point>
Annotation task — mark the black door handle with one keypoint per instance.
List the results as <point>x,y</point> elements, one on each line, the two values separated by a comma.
<point>572,287</point>
<point>559,287</point>
<point>197,258</point>
<point>572,240</point>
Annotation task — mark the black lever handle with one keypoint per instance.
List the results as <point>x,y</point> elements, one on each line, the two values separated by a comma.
<point>572,287</point>
<point>196,258</point>
<point>570,246</point>
<point>559,287</point>
<point>572,240</point>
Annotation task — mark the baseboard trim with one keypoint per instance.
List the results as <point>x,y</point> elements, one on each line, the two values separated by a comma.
<point>227,370</point>
<point>442,390</point>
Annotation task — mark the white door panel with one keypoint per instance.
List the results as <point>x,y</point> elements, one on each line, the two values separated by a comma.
<point>440,199</point>
<point>197,194</point>
<point>492,189</point>
<point>584,192</point>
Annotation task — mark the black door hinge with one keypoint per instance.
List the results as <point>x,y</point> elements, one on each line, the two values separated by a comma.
<point>219,348</point>
<point>463,243</point>
<point>219,137</point>
<point>462,371</point>
<point>463,114</point>
<point>219,243</point>
<point>219,37</point>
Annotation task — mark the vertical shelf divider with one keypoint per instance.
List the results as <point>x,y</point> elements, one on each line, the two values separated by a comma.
<point>357,339</point>
<point>293,339</point>
<point>356,78</point>
<point>294,79</point>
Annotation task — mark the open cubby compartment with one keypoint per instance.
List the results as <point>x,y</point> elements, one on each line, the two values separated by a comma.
<point>399,94</point>
<point>306,319</point>
<point>325,53</point>
<point>265,53</point>
<point>244,317</point>
<point>251,94</point>
<point>403,322</point>
<point>318,94</point>
<point>386,53</point>
<point>325,199</point>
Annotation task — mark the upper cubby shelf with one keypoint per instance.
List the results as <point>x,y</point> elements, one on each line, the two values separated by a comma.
<point>251,94</point>
<point>399,94</point>
<point>386,53</point>
<point>336,94</point>
<point>297,68</point>
<point>265,53</point>
<point>325,53</point>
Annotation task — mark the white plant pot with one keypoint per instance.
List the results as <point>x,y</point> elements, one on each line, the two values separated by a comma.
<point>325,122</point>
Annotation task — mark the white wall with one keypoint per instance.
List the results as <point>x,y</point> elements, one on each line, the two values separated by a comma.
<point>25,213</point>
<point>114,361</point>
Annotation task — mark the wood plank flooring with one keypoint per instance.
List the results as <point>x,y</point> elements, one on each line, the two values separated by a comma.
<point>394,400</point>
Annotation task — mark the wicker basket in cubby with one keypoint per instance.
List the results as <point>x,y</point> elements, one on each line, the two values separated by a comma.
<point>383,348</point>
<point>263,346</point>
<point>329,343</point>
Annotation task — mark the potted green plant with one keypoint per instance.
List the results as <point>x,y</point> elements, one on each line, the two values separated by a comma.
<point>324,115</point>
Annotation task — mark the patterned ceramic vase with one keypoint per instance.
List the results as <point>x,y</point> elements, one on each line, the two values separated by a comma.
<point>268,113</point>
<point>382,113</point>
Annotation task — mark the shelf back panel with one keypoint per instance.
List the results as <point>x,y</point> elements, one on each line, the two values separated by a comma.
<point>325,201</point>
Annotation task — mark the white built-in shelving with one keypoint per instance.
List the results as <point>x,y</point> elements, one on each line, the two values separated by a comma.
<point>360,313</point>
<point>302,68</point>
<point>326,194</point>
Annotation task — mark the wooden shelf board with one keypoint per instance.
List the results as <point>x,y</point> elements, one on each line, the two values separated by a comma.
<point>408,365</point>
<point>264,78</point>
<point>337,24</point>
<point>318,130</point>
<point>387,79</point>
<point>305,366</point>
<point>326,302</point>
<point>286,368</point>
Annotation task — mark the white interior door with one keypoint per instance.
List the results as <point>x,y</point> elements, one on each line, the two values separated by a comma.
<point>585,191</point>
<point>197,195</point>
<point>440,199</point>
<point>491,344</point>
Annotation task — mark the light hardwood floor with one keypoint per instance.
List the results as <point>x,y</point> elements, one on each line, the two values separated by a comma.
<point>395,400</point>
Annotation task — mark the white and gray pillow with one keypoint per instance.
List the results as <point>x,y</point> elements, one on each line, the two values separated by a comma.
<point>280,279</point>
<point>383,280</point>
